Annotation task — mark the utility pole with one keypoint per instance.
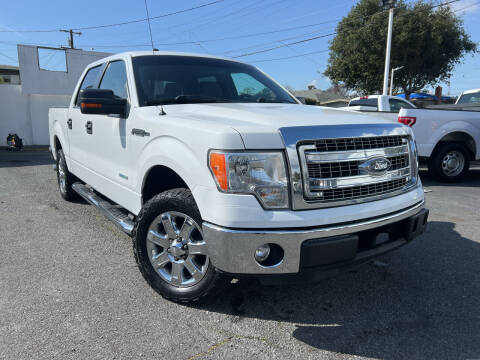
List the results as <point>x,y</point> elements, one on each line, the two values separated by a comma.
<point>390,4</point>
<point>70,41</point>
<point>391,78</point>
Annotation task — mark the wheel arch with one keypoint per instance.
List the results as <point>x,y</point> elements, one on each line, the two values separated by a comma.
<point>58,140</point>
<point>57,145</point>
<point>459,136</point>
<point>170,180</point>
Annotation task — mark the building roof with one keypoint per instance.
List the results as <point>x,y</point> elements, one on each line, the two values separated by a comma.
<point>8,67</point>
<point>318,95</point>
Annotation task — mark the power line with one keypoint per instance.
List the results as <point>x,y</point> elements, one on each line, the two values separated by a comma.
<point>8,57</point>
<point>334,33</point>
<point>120,23</point>
<point>224,38</point>
<point>290,57</point>
<point>151,18</point>
<point>284,45</point>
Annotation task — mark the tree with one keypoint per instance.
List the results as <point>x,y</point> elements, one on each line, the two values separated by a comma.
<point>428,42</point>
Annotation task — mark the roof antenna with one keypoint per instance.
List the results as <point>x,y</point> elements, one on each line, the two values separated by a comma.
<point>149,27</point>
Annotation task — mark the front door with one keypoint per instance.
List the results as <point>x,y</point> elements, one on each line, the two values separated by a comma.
<point>110,140</point>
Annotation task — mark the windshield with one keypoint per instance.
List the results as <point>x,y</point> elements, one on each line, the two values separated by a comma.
<point>171,79</point>
<point>469,98</point>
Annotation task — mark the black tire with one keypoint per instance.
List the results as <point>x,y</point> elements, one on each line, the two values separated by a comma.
<point>176,200</point>
<point>436,162</point>
<point>66,191</point>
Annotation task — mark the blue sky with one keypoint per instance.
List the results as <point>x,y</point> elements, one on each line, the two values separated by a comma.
<point>281,21</point>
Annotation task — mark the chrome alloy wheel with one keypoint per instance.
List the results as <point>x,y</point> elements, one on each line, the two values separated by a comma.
<point>453,163</point>
<point>176,249</point>
<point>62,177</point>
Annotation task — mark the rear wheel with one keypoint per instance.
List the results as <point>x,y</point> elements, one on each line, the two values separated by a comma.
<point>65,178</point>
<point>450,162</point>
<point>170,250</point>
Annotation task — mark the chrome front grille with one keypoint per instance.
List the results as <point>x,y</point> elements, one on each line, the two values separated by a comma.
<point>357,192</point>
<point>349,168</point>
<point>355,169</point>
<point>360,143</point>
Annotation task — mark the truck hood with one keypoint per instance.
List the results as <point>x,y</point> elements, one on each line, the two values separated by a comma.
<point>259,123</point>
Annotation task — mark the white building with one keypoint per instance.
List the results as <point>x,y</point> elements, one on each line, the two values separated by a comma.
<point>47,77</point>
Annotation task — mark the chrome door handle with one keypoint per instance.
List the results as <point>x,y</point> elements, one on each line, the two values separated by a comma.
<point>89,127</point>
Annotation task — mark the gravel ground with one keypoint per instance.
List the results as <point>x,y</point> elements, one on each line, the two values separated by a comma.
<point>70,289</point>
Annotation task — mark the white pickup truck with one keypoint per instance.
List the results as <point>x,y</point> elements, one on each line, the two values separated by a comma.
<point>216,171</point>
<point>447,136</point>
<point>385,106</point>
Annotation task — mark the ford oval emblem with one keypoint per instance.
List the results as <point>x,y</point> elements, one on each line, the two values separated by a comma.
<point>375,167</point>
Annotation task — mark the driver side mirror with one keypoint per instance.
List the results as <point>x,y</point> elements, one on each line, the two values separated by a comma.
<point>101,102</point>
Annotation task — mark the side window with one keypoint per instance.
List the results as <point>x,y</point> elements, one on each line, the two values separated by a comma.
<point>90,79</point>
<point>115,78</point>
<point>397,105</point>
<point>249,87</point>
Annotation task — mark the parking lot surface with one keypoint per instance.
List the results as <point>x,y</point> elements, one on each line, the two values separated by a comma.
<point>70,289</point>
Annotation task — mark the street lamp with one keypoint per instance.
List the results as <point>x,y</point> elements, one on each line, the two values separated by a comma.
<point>391,78</point>
<point>388,4</point>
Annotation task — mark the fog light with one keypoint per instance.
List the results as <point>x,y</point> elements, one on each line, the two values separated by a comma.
<point>262,253</point>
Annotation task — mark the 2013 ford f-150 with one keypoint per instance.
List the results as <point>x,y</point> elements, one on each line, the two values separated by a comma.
<point>216,171</point>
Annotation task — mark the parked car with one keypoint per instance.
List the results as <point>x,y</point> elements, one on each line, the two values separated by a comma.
<point>216,171</point>
<point>447,138</point>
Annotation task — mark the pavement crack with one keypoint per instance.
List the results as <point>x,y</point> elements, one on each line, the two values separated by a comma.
<point>212,348</point>
<point>224,342</point>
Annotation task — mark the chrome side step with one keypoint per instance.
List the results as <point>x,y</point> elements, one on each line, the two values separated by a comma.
<point>113,212</point>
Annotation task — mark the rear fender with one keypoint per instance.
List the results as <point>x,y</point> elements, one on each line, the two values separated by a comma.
<point>455,127</point>
<point>57,132</point>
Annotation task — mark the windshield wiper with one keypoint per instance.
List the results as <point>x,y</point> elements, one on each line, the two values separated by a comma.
<point>184,99</point>
<point>263,100</point>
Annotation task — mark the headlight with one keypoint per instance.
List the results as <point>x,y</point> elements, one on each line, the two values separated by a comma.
<point>262,174</point>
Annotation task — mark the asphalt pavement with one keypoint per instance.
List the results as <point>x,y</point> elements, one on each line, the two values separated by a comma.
<point>70,289</point>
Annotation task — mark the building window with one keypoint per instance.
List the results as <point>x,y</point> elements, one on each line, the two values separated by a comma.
<point>52,59</point>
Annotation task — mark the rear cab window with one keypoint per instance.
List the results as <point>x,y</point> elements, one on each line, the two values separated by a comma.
<point>364,102</point>
<point>397,105</point>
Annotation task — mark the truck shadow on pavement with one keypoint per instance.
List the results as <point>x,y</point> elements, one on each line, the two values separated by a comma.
<point>421,301</point>
<point>471,180</point>
<point>24,158</point>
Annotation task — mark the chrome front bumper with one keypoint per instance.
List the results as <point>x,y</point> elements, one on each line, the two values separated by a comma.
<point>232,250</point>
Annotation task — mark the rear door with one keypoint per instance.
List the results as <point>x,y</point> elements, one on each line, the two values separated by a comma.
<point>78,137</point>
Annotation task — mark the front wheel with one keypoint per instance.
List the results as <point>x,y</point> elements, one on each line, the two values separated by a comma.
<point>450,162</point>
<point>170,249</point>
